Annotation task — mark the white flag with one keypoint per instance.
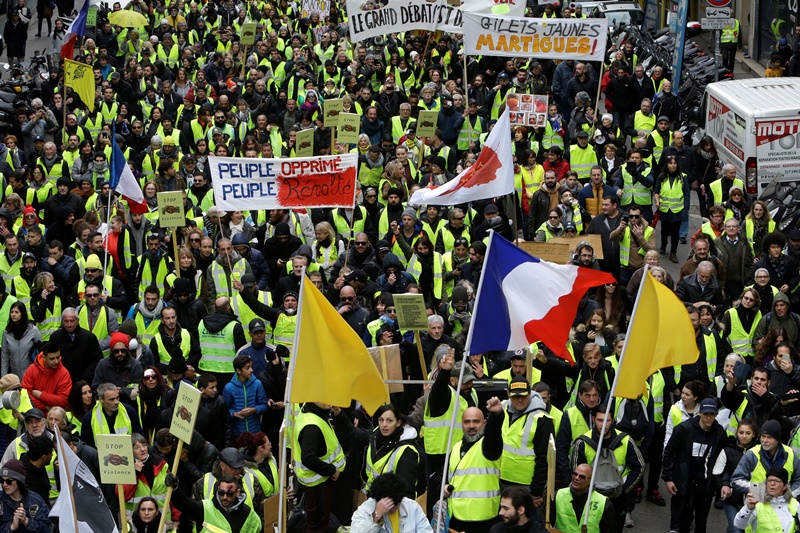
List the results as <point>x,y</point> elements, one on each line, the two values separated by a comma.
<point>80,494</point>
<point>491,176</point>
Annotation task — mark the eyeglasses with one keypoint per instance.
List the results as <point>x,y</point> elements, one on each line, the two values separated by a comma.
<point>770,480</point>
<point>94,295</point>
<point>371,196</point>
<point>148,377</point>
<point>90,270</point>
<point>195,239</point>
<point>391,310</point>
<point>637,217</point>
<point>611,284</point>
<point>120,350</point>
<point>7,481</point>
<point>361,243</point>
<point>462,218</point>
<point>578,475</point>
<point>347,298</point>
<point>554,218</point>
<point>228,493</point>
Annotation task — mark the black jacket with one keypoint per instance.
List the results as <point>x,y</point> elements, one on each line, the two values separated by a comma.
<point>678,453</point>
<point>80,354</point>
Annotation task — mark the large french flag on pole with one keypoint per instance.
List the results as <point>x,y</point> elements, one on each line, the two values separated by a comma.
<point>522,299</point>
<point>75,30</point>
<point>124,182</point>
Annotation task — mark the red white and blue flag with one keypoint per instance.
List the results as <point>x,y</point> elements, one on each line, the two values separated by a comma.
<point>522,299</point>
<point>124,182</point>
<point>75,30</point>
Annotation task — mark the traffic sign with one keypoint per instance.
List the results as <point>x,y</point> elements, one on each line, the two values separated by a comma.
<point>716,24</point>
<point>718,12</point>
<point>718,3</point>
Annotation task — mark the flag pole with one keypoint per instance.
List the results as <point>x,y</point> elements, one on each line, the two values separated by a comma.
<point>62,455</point>
<point>287,409</point>
<point>453,421</point>
<point>585,520</point>
<point>108,208</point>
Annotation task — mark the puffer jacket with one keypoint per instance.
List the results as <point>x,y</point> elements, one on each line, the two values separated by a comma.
<point>54,384</point>
<point>16,354</point>
<point>240,396</point>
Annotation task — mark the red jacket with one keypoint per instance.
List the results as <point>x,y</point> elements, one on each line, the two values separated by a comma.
<point>54,384</point>
<point>129,491</point>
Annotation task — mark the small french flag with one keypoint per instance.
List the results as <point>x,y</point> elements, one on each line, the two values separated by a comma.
<point>522,299</point>
<point>75,30</point>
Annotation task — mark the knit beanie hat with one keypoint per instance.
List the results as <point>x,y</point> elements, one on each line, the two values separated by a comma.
<point>773,429</point>
<point>14,469</point>
<point>128,327</point>
<point>410,212</point>
<point>118,337</point>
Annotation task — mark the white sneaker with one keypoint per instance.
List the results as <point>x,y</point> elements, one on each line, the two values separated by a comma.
<point>628,520</point>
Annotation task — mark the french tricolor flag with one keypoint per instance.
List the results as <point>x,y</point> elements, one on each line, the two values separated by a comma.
<point>75,30</point>
<point>124,182</point>
<point>522,299</point>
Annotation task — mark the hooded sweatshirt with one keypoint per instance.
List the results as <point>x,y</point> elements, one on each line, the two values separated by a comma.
<point>790,322</point>
<point>54,384</point>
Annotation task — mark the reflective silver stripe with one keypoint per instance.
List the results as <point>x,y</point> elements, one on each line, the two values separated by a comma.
<point>220,358</point>
<point>476,471</point>
<point>436,423</point>
<point>299,467</point>
<point>284,339</point>
<point>223,346</point>
<point>526,434</point>
<point>476,494</point>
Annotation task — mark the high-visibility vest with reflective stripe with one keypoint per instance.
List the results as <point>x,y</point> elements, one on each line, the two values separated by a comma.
<point>519,459</point>
<point>283,333</point>
<point>158,491</point>
<point>9,271</point>
<point>577,424</point>
<point>221,285</point>
<point>245,314</point>
<point>122,422</point>
<point>759,474</point>
<point>476,484</point>
<point>659,144</point>
<point>657,392</point>
<point>215,521</point>
<point>386,464</point>
<point>499,100</point>
<point>437,428</point>
<point>248,483</point>
<point>547,234</point>
<point>731,35</point>
<point>198,130</point>
<point>716,188</point>
<point>169,58</point>
<point>635,193</point>
<point>22,291</point>
<point>398,130</point>
<point>768,520</point>
<point>620,453</point>
<point>750,229</point>
<point>449,240</point>
<point>566,520</point>
<point>469,132</point>
<point>100,326</point>
<point>581,160</point>
<point>536,375</point>
<point>551,137</point>
<point>186,346</point>
<point>415,269</point>
<point>707,229</point>
<point>219,348</point>
<point>642,122</point>
<point>342,225</point>
<point>625,245</point>
<point>94,125</point>
<point>147,274</point>
<point>671,196</point>
<point>52,320</point>
<point>146,332</point>
<point>711,356</point>
<point>268,487</point>
<point>740,339</point>
<point>334,455</point>
<point>733,421</point>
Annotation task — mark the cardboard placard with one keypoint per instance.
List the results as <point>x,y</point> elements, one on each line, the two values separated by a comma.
<point>596,241</point>
<point>248,36</point>
<point>426,125</point>
<point>184,415</point>
<point>91,17</point>
<point>116,459</point>
<point>271,510</point>
<point>392,369</point>
<point>411,313</point>
<point>546,251</point>
<point>349,128</point>
<point>304,144</point>
<point>171,213</point>
<point>332,109</point>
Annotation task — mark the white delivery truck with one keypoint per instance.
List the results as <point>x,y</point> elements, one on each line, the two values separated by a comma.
<point>755,124</point>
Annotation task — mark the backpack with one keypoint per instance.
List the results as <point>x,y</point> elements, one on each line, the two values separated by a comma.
<point>632,419</point>
<point>607,480</point>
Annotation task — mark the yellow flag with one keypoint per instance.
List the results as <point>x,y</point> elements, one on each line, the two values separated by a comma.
<point>333,365</point>
<point>661,335</point>
<point>80,77</point>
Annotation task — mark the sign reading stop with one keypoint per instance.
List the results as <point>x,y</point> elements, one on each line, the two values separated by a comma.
<point>718,3</point>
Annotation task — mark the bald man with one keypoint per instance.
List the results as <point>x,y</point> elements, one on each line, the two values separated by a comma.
<point>474,471</point>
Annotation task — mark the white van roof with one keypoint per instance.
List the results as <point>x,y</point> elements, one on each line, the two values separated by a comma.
<point>762,97</point>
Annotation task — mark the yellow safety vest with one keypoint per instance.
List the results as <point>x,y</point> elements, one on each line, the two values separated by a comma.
<point>52,320</point>
<point>122,422</point>
<point>581,160</point>
<point>625,245</point>
<point>635,193</point>
<point>219,348</point>
<point>437,428</point>
<point>100,327</point>
<point>186,346</point>
<point>566,520</point>
<point>334,454</point>
<point>147,274</point>
<point>476,484</point>
<point>415,269</point>
<point>146,332</point>
<point>215,521</point>
<point>671,196</point>
<point>642,122</point>
<point>222,286</point>
<point>740,339</point>
<point>716,188</point>
<point>750,229</point>
<point>731,35</point>
<point>519,459</point>
<point>759,474</point>
<point>659,144</point>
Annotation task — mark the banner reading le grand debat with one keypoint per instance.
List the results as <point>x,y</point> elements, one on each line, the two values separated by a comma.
<point>489,35</point>
<point>370,18</point>
<point>325,181</point>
